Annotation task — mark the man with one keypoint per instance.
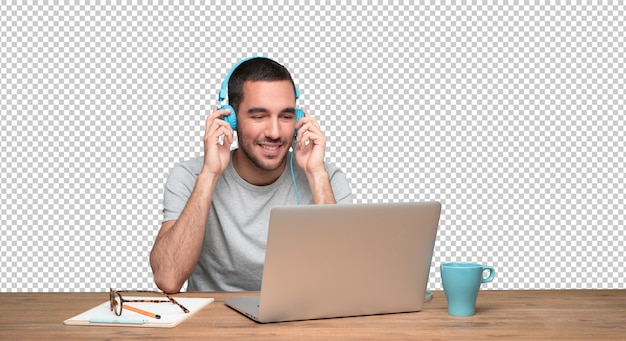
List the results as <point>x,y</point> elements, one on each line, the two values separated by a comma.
<point>216,207</point>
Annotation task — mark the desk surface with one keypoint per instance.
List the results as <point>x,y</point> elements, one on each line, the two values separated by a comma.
<point>557,314</point>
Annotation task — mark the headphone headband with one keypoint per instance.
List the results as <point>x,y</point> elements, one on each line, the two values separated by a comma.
<point>224,87</point>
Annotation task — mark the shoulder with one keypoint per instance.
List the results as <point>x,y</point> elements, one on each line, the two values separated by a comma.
<point>193,165</point>
<point>189,169</point>
<point>332,169</point>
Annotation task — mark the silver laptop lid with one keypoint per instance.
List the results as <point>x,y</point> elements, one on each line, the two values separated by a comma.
<point>345,260</point>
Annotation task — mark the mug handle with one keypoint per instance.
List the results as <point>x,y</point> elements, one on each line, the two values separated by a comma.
<point>492,273</point>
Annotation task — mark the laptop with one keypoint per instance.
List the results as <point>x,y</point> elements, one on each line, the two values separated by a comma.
<point>326,261</point>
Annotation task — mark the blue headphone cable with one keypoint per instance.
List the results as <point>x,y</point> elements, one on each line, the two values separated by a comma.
<point>293,178</point>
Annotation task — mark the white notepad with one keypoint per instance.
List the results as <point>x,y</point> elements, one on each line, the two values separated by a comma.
<point>171,314</point>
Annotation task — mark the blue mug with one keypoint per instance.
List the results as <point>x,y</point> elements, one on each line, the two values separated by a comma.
<point>461,283</point>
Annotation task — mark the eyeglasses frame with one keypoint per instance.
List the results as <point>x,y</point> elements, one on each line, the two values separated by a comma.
<point>113,293</point>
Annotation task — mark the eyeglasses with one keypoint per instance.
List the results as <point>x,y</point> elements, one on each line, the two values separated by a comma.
<point>117,301</point>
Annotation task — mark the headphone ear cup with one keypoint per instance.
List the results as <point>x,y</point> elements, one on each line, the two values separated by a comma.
<point>230,118</point>
<point>299,114</point>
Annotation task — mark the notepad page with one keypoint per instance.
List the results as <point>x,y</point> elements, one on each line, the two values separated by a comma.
<point>171,314</point>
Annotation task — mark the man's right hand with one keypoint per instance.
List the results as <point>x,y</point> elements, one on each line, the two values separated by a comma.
<point>216,154</point>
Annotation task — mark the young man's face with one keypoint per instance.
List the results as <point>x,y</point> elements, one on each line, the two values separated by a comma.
<point>265,125</point>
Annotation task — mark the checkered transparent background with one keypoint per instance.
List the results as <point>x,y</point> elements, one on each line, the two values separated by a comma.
<point>511,115</point>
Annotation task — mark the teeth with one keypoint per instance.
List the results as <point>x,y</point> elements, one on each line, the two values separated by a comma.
<point>270,148</point>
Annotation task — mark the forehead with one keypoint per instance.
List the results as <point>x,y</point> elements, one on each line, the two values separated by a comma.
<point>268,91</point>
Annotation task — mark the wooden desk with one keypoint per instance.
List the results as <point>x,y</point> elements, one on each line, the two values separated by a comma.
<point>521,315</point>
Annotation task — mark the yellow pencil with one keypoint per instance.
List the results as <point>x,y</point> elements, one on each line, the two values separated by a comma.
<point>140,311</point>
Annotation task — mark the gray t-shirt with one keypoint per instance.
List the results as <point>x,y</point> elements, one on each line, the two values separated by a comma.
<point>233,250</point>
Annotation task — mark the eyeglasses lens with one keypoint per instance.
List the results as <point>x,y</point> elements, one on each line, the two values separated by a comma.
<point>116,304</point>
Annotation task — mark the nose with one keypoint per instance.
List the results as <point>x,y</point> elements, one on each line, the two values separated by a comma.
<point>272,130</point>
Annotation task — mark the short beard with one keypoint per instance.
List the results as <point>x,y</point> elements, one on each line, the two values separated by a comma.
<point>256,161</point>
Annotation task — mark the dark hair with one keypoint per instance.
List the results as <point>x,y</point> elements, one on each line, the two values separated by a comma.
<point>255,69</point>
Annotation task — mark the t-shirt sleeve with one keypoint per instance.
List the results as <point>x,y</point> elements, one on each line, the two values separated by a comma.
<point>340,185</point>
<point>178,188</point>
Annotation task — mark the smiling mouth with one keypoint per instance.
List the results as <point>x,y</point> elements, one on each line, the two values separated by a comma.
<point>271,147</point>
<point>271,150</point>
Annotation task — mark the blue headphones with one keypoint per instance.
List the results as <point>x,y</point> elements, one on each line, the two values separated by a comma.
<point>232,117</point>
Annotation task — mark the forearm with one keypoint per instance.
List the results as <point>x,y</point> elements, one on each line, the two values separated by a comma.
<point>321,189</point>
<point>178,246</point>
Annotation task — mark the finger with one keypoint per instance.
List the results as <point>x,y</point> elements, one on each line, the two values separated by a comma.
<point>220,135</point>
<point>303,120</point>
<point>212,123</point>
<point>218,132</point>
<point>310,127</point>
<point>221,112</point>
<point>215,125</point>
<point>308,119</point>
<point>216,113</point>
<point>311,138</point>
